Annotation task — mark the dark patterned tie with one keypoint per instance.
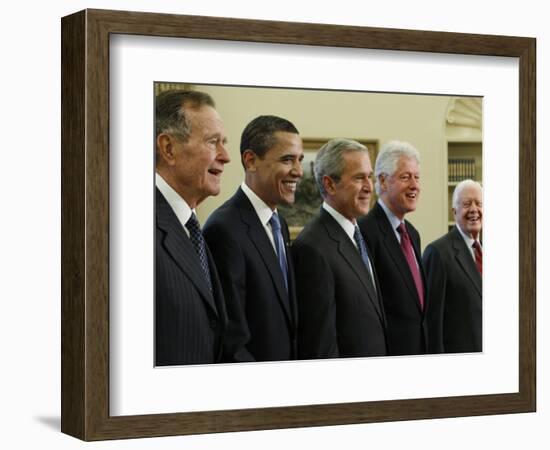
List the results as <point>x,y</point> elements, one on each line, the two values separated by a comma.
<point>479,256</point>
<point>279,245</point>
<point>200,247</point>
<point>407,248</point>
<point>358,238</point>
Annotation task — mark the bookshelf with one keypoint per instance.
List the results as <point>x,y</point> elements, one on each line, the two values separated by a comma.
<point>464,160</point>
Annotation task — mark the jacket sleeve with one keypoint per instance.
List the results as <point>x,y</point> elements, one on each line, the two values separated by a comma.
<point>231,266</point>
<point>436,278</point>
<point>317,332</point>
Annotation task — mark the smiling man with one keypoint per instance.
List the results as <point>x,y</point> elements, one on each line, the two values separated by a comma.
<point>341,313</point>
<point>394,245</point>
<point>249,242</point>
<point>453,268</point>
<point>190,315</point>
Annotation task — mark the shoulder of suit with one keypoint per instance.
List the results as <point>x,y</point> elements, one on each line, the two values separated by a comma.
<point>371,225</point>
<point>410,226</point>
<point>442,244</point>
<point>225,219</point>
<point>310,232</point>
<point>370,219</point>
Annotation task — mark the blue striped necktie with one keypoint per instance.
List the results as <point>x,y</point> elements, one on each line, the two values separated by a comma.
<point>279,245</point>
<point>197,240</point>
<point>358,238</point>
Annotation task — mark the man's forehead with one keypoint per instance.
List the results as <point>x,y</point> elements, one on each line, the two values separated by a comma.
<point>471,193</point>
<point>357,159</point>
<point>407,161</point>
<point>286,143</point>
<point>205,118</point>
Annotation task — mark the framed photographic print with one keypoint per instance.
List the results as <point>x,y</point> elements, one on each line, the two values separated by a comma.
<point>112,62</point>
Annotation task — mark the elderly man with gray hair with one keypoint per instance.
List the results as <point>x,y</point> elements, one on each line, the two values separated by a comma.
<point>394,246</point>
<point>190,314</point>
<point>339,304</point>
<point>453,268</point>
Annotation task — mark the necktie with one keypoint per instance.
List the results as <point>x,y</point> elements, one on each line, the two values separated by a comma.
<point>407,248</point>
<point>358,238</point>
<point>479,256</point>
<point>279,245</point>
<point>200,247</point>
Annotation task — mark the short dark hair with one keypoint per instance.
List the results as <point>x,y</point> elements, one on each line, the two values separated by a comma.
<point>170,111</point>
<point>258,135</point>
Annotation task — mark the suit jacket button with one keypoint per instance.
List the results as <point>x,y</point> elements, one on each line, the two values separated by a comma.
<point>213,324</point>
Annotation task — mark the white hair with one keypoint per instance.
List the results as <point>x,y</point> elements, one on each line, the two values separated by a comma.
<point>460,187</point>
<point>390,154</point>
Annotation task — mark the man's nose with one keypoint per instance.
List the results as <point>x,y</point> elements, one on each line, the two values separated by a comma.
<point>223,154</point>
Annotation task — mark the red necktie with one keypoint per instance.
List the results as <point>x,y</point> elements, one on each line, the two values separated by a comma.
<point>479,256</point>
<point>408,251</point>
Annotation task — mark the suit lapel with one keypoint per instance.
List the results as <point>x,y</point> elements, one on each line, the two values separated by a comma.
<point>352,257</point>
<point>261,241</point>
<point>178,245</point>
<point>394,249</point>
<point>465,260</point>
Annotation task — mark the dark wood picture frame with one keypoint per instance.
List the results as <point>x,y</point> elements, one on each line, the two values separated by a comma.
<point>85,224</point>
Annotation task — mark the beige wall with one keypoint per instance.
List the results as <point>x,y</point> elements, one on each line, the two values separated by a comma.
<point>318,114</point>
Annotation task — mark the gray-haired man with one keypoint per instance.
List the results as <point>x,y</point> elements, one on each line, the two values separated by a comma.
<point>341,314</point>
<point>395,247</point>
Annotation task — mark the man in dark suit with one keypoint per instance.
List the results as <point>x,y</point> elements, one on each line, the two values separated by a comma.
<point>249,242</point>
<point>453,269</point>
<point>190,316</point>
<point>340,310</point>
<point>394,246</point>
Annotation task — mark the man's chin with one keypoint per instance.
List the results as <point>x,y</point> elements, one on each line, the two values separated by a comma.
<point>474,232</point>
<point>214,191</point>
<point>287,200</point>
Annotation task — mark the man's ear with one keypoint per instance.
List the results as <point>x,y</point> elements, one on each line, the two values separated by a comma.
<point>329,184</point>
<point>249,160</point>
<point>382,178</point>
<point>166,149</point>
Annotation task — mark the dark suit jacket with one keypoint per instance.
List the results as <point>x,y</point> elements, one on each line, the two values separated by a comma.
<point>454,283</point>
<point>262,315</point>
<point>407,330</point>
<point>189,319</point>
<point>341,314</point>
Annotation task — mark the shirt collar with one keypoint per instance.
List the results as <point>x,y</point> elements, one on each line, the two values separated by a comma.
<point>394,220</point>
<point>467,238</point>
<point>263,211</point>
<point>347,225</point>
<point>177,203</point>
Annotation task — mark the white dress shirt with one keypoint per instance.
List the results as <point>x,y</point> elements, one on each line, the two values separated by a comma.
<point>469,242</point>
<point>179,205</point>
<point>263,212</point>
<point>349,228</point>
